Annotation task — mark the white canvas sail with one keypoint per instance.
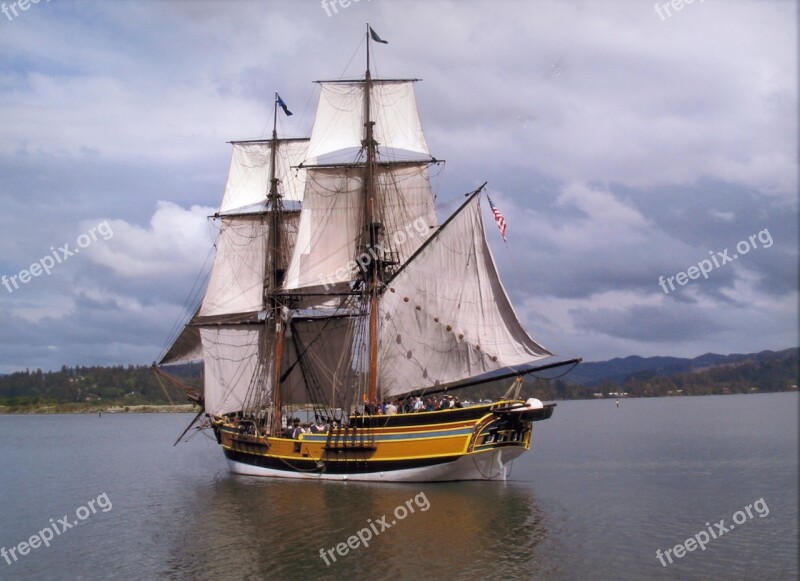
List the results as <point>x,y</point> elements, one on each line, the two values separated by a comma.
<point>237,278</point>
<point>248,178</point>
<point>237,281</point>
<point>232,355</point>
<point>330,223</point>
<point>339,123</point>
<point>405,208</point>
<point>331,235</point>
<point>446,316</point>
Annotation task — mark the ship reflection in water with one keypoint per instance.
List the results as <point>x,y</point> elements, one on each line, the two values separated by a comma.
<point>253,528</point>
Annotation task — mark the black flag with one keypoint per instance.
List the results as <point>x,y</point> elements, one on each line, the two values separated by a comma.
<point>375,37</point>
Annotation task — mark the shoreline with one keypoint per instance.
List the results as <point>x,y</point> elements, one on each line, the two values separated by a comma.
<point>192,408</point>
<point>111,409</point>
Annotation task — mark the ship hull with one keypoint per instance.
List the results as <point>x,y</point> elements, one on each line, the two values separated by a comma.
<point>486,465</point>
<point>475,443</point>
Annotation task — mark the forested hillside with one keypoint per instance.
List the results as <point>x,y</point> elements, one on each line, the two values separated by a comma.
<point>123,385</point>
<point>131,385</point>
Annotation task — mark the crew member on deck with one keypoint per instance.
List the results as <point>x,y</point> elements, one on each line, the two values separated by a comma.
<point>297,429</point>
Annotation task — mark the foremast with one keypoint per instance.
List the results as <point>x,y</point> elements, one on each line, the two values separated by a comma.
<point>238,330</point>
<point>274,272</point>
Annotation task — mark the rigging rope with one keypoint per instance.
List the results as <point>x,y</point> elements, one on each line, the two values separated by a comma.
<point>192,300</point>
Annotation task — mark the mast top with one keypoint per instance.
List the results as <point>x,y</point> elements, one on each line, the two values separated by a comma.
<point>371,35</point>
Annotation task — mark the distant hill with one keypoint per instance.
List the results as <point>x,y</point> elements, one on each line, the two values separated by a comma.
<point>619,370</point>
<point>709,374</point>
<point>767,371</point>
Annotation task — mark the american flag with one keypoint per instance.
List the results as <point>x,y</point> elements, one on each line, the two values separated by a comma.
<point>498,217</point>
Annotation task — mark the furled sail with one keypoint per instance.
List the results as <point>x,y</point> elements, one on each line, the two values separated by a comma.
<point>249,174</point>
<point>329,248</point>
<point>339,123</point>
<point>446,317</point>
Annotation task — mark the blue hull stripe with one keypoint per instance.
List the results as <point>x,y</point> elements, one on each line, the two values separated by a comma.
<point>409,436</point>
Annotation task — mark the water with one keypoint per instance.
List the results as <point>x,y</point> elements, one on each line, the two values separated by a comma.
<point>602,489</point>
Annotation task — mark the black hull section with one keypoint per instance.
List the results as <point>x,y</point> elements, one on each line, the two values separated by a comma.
<point>527,415</point>
<point>423,418</point>
<point>342,465</point>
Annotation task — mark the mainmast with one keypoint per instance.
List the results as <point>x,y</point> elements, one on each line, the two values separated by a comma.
<point>374,274</point>
<point>274,269</point>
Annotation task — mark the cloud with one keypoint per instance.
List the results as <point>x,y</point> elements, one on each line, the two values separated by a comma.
<point>172,247</point>
<point>621,147</point>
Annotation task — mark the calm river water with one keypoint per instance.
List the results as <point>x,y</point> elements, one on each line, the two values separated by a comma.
<point>601,491</point>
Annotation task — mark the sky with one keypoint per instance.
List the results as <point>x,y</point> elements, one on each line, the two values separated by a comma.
<point>624,141</point>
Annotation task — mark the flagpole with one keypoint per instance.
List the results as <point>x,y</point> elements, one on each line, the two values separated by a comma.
<point>367,46</point>
<point>275,117</point>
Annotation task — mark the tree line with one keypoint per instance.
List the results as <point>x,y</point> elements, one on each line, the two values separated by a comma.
<point>138,385</point>
<point>119,384</point>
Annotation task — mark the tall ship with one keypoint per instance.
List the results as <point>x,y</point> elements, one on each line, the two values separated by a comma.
<point>340,316</point>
